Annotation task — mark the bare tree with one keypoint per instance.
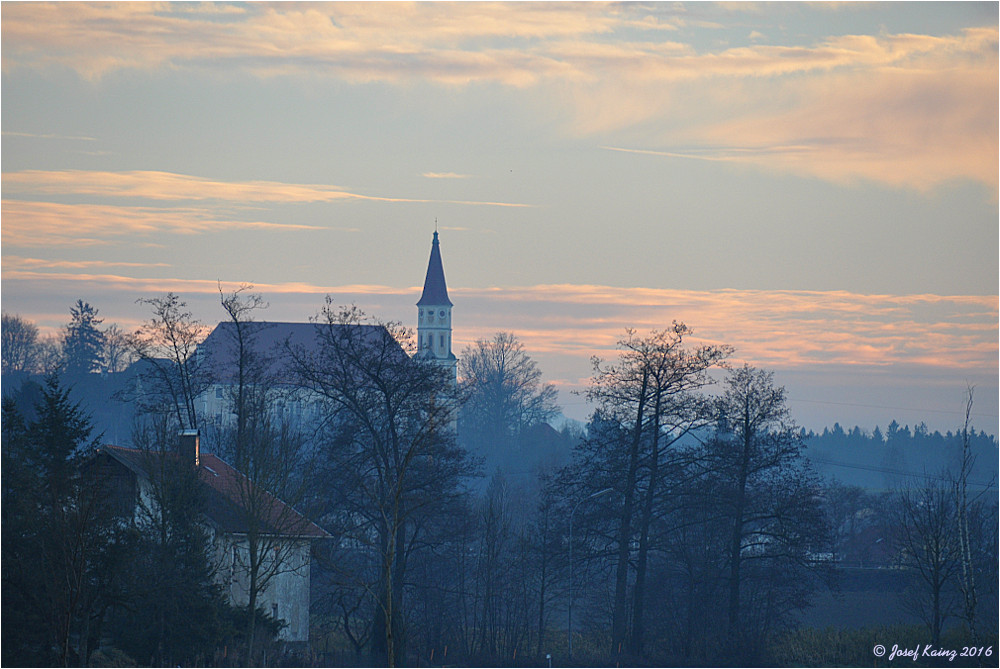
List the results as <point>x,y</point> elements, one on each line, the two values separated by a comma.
<point>119,351</point>
<point>545,546</point>
<point>49,357</point>
<point>265,448</point>
<point>504,391</point>
<point>19,345</point>
<point>174,376</point>
<point>651,393</point>
<point>925,524</point>
<point>495,538</point>
<point>391,450</point>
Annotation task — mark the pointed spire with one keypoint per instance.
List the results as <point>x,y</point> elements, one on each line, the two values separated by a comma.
<point>435,290</point>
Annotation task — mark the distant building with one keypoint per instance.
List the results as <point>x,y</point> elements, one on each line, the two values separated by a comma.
<point>131,474</point>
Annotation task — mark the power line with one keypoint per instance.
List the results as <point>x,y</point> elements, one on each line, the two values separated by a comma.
<point>876,406</point>
<point>886,470</point>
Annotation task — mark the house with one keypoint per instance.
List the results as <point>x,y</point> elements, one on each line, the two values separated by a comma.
<point>130,474</point>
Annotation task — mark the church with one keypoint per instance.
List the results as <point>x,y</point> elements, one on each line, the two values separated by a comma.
<point>434,344</point>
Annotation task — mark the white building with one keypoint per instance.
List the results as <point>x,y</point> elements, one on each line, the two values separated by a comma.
<point>131,474</point>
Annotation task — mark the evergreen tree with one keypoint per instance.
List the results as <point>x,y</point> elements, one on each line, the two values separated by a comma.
<point>61,550</point>
<point>83,346</point>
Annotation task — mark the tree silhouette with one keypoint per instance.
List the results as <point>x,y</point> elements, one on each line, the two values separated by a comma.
<point>83,345</point>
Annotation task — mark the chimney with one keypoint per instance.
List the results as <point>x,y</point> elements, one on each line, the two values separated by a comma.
<point>189,446</point>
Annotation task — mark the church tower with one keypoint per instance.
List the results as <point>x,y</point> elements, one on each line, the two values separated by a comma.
<point>434,314</point>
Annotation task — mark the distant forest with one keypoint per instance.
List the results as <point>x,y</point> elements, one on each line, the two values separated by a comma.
<point>884,460</point>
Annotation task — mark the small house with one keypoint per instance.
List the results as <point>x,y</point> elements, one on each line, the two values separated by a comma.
<point>225,496</point>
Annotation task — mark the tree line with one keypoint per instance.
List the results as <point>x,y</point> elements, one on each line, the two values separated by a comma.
<point>887,457</point>
<point>682,525</point>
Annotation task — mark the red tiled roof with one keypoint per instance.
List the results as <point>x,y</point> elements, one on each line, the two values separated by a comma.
<point>226,490</point>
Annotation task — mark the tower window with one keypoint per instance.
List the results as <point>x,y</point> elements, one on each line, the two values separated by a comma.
<point>442,341</point>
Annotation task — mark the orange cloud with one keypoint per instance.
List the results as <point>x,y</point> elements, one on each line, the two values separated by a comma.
<point>779,329</point>
<point>51,224</point>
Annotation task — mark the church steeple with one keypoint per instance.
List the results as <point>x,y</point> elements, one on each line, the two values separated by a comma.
<point>435,289</point>
<point>434,313</point>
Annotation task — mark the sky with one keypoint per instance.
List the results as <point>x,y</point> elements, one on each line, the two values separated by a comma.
<point>812,184</point>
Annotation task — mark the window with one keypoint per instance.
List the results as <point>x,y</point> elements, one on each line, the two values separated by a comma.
<point>218,392</point>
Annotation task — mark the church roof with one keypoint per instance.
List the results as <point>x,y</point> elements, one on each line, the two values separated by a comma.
<point>269,343</point>
<point>435,290</point>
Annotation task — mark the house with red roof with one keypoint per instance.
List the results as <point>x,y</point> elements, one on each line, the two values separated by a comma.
<point>225,496</point>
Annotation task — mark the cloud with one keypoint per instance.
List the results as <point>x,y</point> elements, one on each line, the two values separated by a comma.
<point>17,262</point>
<point>354,41</point>
<point>828,346</point>
<point>781,329</point>
<point>774,328</point>
<point>48,136</point>
<point>907,129</point>
<point>905,109</point>
<point>444,175</point>
<point>168,186</point>
<point>53,224</point>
